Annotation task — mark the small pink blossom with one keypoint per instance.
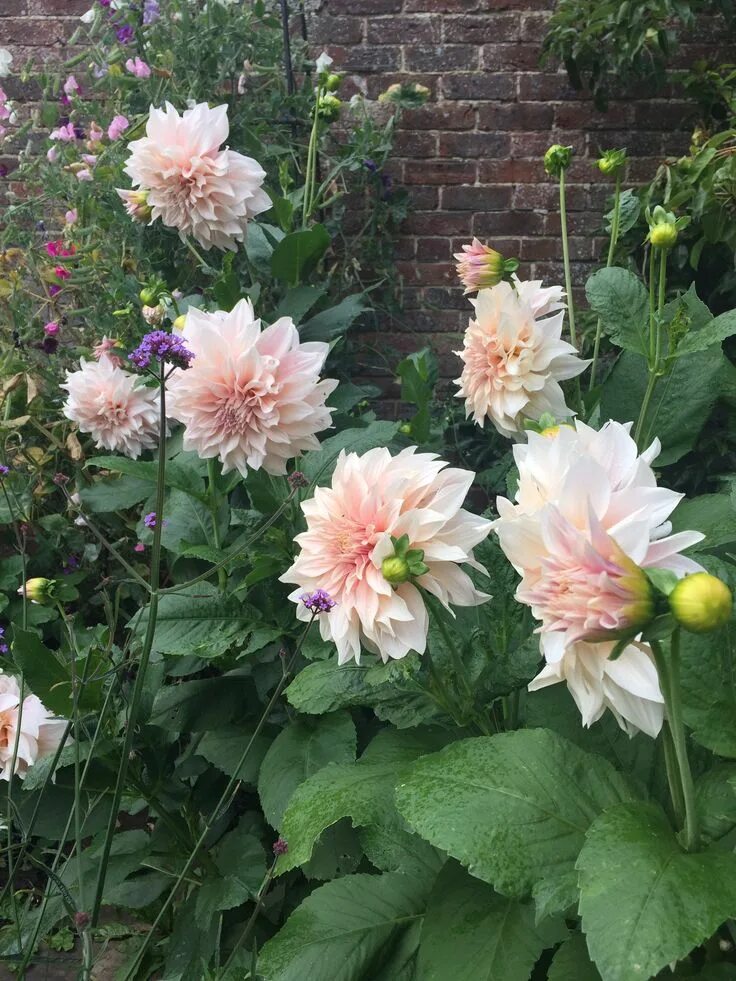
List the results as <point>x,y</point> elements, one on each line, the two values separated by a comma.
<point>139,547</point>
<point>479,266</point>
<point>52,154</point>
<point>51,329</point>
<point>138,67</point>
<point>84,175</point>
<point>95,133</point>
<point>66,134</point>
<point>71,87</point>
<point>90,159</point>
<point>117,127</point>
<point>71,216</point>
<point>61,273</point>
<point>106,349</point>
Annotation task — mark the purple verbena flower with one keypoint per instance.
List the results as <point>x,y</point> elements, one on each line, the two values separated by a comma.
<point>297,480</point>
<point>161,346</point>
<point>151,12</point>
<point>280,846</point>
<point>370,165</point>
<point>150,520</point>
<point>125,34</point>
<point>70,564</point>
<point>4,471</point>
<point>318,602</point>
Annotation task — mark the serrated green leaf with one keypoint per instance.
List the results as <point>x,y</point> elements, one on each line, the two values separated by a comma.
<point>513,808</point>
<point>494,938</point>
<point>299,253</point>
<point>353,924</point>
<point>195,706</point>
<point>299,751</point>
<point>115,494</point>
<point>362,791</point>
<point>714,332</point>
<point>715,801</point>
<point>319,464</point>
<point>333,322</point>
<point>572,963</point>
<point>644,901</point>
<point>198,620</point>
<point>178,475</point>
<point>621,301</point>
<point>224,748</point>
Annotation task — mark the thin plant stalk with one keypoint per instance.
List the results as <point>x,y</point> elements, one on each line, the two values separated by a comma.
<point>615,223</point>
<point>655,340</point>
<point>260,896</point>
<point>227,795</point>
<point>145,654</point>
<point>310,177</point>
<point>568,280</point>
<point>669,679</point>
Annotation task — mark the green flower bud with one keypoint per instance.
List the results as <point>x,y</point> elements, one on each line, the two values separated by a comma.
<point>148,296</point>
<point>333,82</point>
<point>557,159</point>
<point>39,591</point>
<point>663,236</point>
<point>701,603</point>
<point>395,570</point>
<point>611,161</point>
<point>328,107</point>
<point>179,322</point>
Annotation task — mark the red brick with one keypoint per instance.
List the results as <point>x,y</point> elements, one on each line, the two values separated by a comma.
<point>441,6</point>
<point>336,30</point>
<point>505,222</point>
<point>440,116</point>
<point>409,144</point>
<point>440,58</point>
<point>371,58</point>
<point>545,86</point>
<point>504,116</point>
<point>404,30</point>
<point>509,57</point>
<point>437,223</point>
<point>439,172</point>
<point>482,30</point>
<point>495,145</point>
<point>476,198</point>
<point>479,86</point>
<point>34,31</point>
<point>364,7</point>
<point>375,84</point>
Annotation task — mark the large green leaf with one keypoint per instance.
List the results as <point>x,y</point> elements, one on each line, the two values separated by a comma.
<point>708,673</point>
<point>644,901</point>
<point>178,475</point>
<point>224,748</point>
<point>362,791</point>
<point>198,620</point>
<point>297,753</point>
<point>572,963</point>
<point>195,706</point>
<point>115,494</point>
<point>713,514</point>
<point>44,674</point>
<point>319,464</point>
<point>333,322</point>
<point>681,403</point>
<point>715,800</point>
<point>346,930</point>
<point>297,302</point>
<point>714,332</point>
<point>621,301</point>
<point>241,862</point>
<point>513,808</point>
<point>298,253</point>
<point>471,933</point>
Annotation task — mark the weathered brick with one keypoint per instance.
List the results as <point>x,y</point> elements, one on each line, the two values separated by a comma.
<point>336,30</point>
<point>440,116</point>
<point>404,30</point>
<point>479,85</point>
<point>485,145</point>
<point>371,58</point>
<point>440,172</point>
<point>509,57</point>
<point>440,57</point>
<point>505,116</point>
<point>488,198</point>
<point>363,7</point>
<point>483,29</point>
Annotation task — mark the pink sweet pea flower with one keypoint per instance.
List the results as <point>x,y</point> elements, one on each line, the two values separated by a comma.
<point>117,127</point>
<point>71,216</point>
<point>71,86</point>
<point>65,133</point>
<point>136,66</point>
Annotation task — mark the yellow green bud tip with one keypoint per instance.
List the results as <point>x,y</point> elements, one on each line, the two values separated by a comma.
<point>178,324</point>
<point>38,590</point>
<point>701,603</point>
<point>395,570</point>
<point>663,236</point>
<point>557,159</point>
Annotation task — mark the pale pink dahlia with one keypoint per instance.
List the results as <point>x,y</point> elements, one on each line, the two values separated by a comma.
<point>192,184</point>
<point>514,358</point>
<point>588,519</point>
<point>113,406</point>
<point>350,525</point>
<point>479,266</point>
<point>36,732</point>
<point>252,397</point>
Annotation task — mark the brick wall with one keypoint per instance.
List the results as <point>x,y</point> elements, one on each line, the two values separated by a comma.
<point>471,157</point>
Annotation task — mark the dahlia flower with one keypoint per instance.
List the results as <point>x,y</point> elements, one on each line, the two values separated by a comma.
<point>514,358</point>
<point>113,406</point>
<point>35,730</point>
<point>479,266</point>
<point>354,525</point>
<point>192,184</point>
<point>252,397</point>
<point>588,519</point>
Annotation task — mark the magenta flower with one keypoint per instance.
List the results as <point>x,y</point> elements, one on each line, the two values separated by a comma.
<point>51,329</point>
<point>71,87</point>
<point>71,216</point>
<point>61,273</point>
<point>67,133</point>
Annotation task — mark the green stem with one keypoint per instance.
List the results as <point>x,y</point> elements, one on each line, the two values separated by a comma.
<point>225,798</point>
<point>568,283</point>
<point>669,676</point>
<point>652,311</point>
<point>310,175</point>
<point>673,775</point>
<point>214,500</point>
<point>651,383</point>
<point>615,221</point>
<point>145,654</point>
<point>265,885</point>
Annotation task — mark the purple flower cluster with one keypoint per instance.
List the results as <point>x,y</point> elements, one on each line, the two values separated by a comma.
<point>318,602</point>
<point>161,346</point>
<point>150,520</point>
<point>297,480</point>
<point>3,645</point>
<point>151,12</point>
<point>4,471</point>
<point>125,34</point>
<point>280,846</point>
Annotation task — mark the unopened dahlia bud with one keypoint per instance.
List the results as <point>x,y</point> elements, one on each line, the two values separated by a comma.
<point>395,570</point>
<point>153,315</point>
<point>701,603</point>
<point>404,564</point>
<point>178,324</point>
<point>328,107</point>
<point>557,159</point>
<point>662,228</point>
<point>611,161</point>
<point>480,267</point>
<point>136,204</point>
<point>39,591</point>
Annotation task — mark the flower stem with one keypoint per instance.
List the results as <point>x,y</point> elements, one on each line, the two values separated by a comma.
<point>214,500</point>
<point>225,798</point>
<point>144,658</point>
<point>669,679</point>
<point>568,282</point>
<point>265,885</point>
<point>655,336</point>
<point>615,221</point>
<point>673,775</point>
<point>310,176</point>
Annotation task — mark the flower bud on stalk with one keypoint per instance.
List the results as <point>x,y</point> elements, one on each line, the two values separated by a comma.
<point>557,159</point>
<point>481,267</point>
<point>39,591</point>
<point>611,161</point>
<point>662,228</point>
<point>404,564</point>
<point>701,603</point>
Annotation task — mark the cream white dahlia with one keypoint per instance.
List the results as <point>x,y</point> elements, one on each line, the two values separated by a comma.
<point>252,397</point>
<point>32,728</point>
<point>191,183</point>
<point>514,358</point>
<point>352,528</point>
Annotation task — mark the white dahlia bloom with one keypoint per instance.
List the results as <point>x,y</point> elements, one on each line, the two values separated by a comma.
<point>192,184</point>
<point>251,397</point>
<point>588,518</point>
<point>350,526</point>
<point>114,406</point>
<point>35,731</point>
<point>514,357</point>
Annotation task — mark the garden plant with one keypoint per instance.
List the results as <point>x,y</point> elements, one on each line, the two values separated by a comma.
<point>285,692</point>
